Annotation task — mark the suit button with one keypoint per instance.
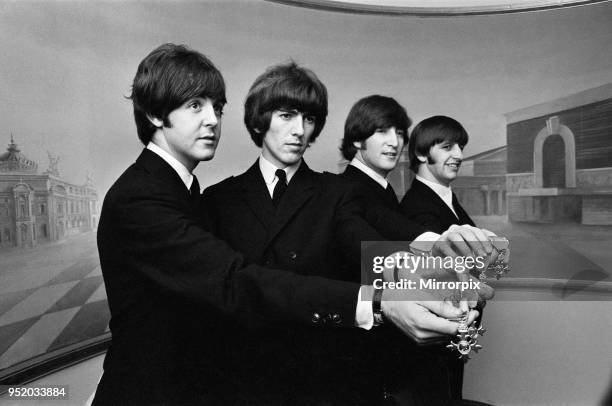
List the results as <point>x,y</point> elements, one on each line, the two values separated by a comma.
<point>316,318</point>
<point>336,318</point>
<point>292,255</point>
<point>267,262</point>
<point>385,394</point>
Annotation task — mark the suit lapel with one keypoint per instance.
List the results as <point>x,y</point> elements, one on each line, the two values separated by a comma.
<point>161,170</point>
<point>257,196</point>
<point>301,189</point>
<point>445,213</point>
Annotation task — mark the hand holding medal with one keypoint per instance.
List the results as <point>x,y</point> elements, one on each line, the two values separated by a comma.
<point>497,264</point>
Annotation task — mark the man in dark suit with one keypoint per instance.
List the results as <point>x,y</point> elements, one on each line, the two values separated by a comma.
<point>173,287</point>
<point>435,151</point>
<point>375,132</point>
<point>374,135</point>
<point>280,213</point>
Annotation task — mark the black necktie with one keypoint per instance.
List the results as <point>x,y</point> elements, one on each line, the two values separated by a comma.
<point>281,186</point>
<point>391,194</point>
<point>194,190</point>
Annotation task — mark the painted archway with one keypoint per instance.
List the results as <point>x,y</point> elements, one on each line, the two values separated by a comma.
<point>553,127</point>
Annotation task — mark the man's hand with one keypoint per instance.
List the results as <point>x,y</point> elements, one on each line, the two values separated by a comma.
<point>426,320</point>
<point>462,241</point>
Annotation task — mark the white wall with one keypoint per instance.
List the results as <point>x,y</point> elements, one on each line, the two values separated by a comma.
<point>540,350</point>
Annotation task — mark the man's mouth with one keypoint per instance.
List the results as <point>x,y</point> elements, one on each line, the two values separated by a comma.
<point>454,165</point>
<point>390,154</point>
<point>208,138</point>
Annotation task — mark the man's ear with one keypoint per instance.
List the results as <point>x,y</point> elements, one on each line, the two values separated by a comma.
<point>421,158</point>
<point>155,121</point>
<point>358,144</point>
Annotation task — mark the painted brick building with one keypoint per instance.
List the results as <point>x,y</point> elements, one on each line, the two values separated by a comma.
<point>560,159</point>
<point>481,184</point>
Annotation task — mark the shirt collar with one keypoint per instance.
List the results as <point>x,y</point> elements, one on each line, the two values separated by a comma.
<point>268,170</point>
<point>370,172</point>
<point>180,169</point>
<point>445,192</point>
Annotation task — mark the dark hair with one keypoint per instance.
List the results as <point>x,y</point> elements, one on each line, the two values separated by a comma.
<point>168,77</point>
<point>431,131</point>
<point>369,114</point>
<point>284,86</point>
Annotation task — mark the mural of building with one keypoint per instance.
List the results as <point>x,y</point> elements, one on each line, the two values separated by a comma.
<point>41,207</point>
<point>560,159</point>
<point>481,183</point>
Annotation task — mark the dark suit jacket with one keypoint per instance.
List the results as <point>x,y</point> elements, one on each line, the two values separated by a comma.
<point>381,210</point>
<point>173,287</point>
<point>316,230</point>
<point>416,375</point>
<point>424,206</point>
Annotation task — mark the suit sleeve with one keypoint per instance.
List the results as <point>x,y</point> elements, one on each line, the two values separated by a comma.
<point>350,223</point>
<point>152,238</point>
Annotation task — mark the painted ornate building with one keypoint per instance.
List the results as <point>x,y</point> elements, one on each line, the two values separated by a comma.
<point>41,207</point>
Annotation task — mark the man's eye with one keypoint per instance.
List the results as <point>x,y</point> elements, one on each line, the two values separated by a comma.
<point>218,110</point>
<point>310,119</point>
<point>379,130</point>
<point>286,116</point>
<point>400,133</point>
<point>195,105</point>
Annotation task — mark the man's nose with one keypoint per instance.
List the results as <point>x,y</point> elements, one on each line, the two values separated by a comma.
<point>393,138</point>
<point>457,152</point>
<point>209,116</point>
<point>298,125</point>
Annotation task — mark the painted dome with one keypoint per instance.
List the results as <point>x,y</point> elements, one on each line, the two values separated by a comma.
<point>14,161</point>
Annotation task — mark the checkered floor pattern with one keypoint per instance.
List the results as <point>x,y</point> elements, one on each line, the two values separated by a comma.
<point>50,296</point>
